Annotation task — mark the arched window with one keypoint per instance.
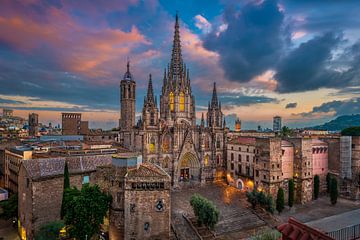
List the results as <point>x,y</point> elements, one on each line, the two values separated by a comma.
<point>182,102</point>
<point>166,143</point>
<point>206,160</point>
<point>172,101</point>
<point>218,142</point>
<point>166,163</point>
<point>152,145</point>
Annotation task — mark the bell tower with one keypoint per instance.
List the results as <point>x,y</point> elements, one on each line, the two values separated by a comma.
<point>127,100</point>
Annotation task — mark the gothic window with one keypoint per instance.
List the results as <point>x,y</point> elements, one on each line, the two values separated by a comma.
<point>182,102</point>
<point>146,226</point>
<point>165,163</point>
<point>152,145</point>
<point>232,156</point>
<point>166,143</point>
<point>172,101</point>
<point>218,143</point>
<point>206,160</point>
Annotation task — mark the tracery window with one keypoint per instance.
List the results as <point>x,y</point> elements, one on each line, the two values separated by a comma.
<point>182,102</point>
<point>152,145</point>
<point>172,101</point>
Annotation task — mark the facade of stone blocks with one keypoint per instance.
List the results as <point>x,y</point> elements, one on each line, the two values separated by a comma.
<point>303,169</point>
<point>141,201</point>
<point>268,170</point>
<point>41,187</point>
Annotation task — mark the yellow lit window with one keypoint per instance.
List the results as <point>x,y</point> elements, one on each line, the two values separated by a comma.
<point>172,101</point>
<point>182,102</point>
<point>151,148</point>
<point>206,160</point>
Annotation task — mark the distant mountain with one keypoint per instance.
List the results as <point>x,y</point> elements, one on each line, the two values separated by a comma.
<point>340,123</point>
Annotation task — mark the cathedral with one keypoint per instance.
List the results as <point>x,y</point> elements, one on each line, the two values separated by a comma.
<point>170,137</point>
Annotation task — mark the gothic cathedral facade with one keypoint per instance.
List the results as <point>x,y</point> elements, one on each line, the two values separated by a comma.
<point>170,137</point>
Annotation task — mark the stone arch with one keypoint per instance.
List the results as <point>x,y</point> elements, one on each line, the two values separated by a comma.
<point>189,167</point>
<point>240,184</point>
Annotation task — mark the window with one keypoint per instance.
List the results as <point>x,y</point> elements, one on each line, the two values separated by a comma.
<point>247,149</point>
<point>272,166</point>
<point>232,166</point>
<point>239,157</point>
<point>146,226</point>
<point>273,177</point>
<point>232,156</point>
<point>152,118</point>
<point>182,102</point>
<point>264,176</point>
<point>172,101</point>
<point>206,160</point>
<point>85,179</point>
<point>240,168</point>
<point>152,145</point>
<point>27,182</point>
<point>257,173</point>
<point>247,158</point>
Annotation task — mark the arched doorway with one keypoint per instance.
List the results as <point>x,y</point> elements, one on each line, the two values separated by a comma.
<point>240,184</point>
<point>189,167</point>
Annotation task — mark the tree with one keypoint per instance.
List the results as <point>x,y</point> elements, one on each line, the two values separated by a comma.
<point>286,132</point>
<point>316,186</point>
<point>333,191</point>
<point>280,200</point>
<point>50,231</point>
<point>351,131</point>
<point>328,179</point>
<point>66,186</point>
<point>205,211</point>
<point>9,207</point>
<point>252,198</point>
<point>85,210</point>
<point>291,193</point>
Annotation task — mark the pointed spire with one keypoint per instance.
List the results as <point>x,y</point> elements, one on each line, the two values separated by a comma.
<point>202,124</point>
<point>150,92</point>
<point>224,124</point>
<point>128,75</point>
<point>214,100</point>
<point>176,58</point>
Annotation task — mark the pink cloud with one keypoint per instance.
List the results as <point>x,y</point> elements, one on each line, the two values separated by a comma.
<point>74,47</point>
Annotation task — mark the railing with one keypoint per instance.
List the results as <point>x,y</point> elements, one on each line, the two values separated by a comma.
<point>348,233</point>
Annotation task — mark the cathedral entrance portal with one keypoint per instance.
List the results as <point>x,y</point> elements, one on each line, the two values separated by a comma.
<point>189,167</point>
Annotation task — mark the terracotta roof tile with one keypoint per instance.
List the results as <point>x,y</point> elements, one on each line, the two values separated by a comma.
<point>296,230</point>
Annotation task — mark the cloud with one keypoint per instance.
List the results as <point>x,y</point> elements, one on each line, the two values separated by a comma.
<point>291,105</point>
<point>202,23</point>
<point>312,65</point>
<point>253,41</point>
<point>334,108</point>
<point>230,101</point>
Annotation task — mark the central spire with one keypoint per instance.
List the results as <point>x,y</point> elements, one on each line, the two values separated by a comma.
<point>214,100</point>
<point>176,58</point>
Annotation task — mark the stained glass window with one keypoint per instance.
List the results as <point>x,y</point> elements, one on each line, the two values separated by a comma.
<point>182,102</point>
<point>172,101</point>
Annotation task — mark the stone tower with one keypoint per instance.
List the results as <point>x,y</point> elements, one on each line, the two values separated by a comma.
<point>176,101</point>
<point>150,110</point>
<point>214,114</point>
<point>127,100</point>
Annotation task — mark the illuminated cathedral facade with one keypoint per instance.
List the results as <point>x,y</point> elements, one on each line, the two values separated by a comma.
<point>170,137</point>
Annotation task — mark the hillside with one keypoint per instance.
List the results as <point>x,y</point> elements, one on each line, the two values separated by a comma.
<point>340,123</point>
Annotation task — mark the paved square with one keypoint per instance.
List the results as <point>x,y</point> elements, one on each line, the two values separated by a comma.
<point>236,220</point>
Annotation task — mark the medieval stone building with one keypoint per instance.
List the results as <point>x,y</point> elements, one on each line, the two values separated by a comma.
<point>169,136</point>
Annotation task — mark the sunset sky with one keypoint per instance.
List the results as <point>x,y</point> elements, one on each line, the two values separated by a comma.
<point>297,59</point>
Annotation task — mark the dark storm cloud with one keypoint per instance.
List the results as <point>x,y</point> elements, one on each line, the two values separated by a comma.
<point>230,101</point>
<point>311,65</point>
<point>305,67</point>
<point>291,105</point>
<point>339,108</point>
<point>253,41</point>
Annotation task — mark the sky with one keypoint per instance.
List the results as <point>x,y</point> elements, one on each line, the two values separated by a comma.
<point>297,59</point>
